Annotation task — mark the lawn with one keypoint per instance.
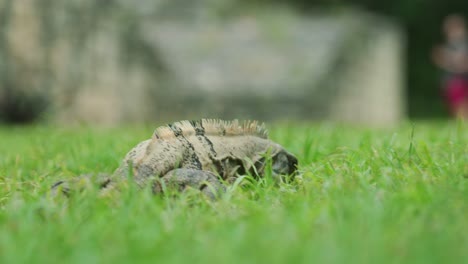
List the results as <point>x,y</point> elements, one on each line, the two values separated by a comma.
<point>394,195</point>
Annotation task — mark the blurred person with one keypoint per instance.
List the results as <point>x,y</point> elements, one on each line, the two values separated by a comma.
<point>452,58</point>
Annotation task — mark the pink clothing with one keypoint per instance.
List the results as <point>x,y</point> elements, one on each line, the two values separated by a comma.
<point>456,92</point>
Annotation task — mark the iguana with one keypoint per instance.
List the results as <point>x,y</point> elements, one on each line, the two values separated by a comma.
<point>199,154</point>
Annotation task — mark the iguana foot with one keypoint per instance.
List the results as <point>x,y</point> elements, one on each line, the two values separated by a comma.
<point>66,187</point>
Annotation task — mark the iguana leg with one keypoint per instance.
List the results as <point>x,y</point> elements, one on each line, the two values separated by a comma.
<point>181,179</point>
<point>66,187</point>
<point>178,179</point>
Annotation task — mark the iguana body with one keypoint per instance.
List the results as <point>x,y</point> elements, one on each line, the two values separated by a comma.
<point>193,153</point>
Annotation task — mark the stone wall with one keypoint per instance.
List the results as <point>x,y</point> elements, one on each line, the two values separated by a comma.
<point>370,88</point>
<point>112,62</point>
<point>346,67</point>
<point>85,55</point>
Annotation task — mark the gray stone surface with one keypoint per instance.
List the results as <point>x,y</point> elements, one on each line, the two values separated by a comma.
<point>152,60</point>
<point>344,67</point>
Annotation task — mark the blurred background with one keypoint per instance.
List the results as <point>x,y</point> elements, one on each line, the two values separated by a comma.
<point>112,62</point>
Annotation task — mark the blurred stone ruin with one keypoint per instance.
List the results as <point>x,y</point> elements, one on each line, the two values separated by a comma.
<point>115,61</point>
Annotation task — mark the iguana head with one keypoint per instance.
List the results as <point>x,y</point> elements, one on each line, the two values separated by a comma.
<point>283,163</point>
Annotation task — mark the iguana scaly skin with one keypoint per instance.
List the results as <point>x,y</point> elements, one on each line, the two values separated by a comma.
<point>201,153</point>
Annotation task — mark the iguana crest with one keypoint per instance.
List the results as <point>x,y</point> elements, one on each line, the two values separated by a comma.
<point>211,127</point>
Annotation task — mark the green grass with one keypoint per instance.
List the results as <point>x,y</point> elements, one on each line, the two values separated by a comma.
<point>366,196</point>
